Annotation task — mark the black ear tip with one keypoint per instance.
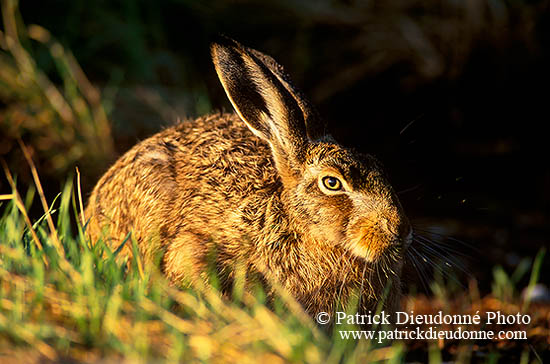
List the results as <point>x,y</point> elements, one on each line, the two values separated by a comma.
<point>223,41</point>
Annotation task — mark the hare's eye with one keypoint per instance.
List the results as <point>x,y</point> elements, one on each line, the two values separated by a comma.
<point>332,183</point>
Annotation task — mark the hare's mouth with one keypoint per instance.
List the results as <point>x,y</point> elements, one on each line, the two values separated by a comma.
<point>374,245</point>
<point>377,237</point>
<point>372,250</point>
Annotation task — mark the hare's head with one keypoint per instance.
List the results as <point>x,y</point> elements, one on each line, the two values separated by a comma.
<point>334,195</point>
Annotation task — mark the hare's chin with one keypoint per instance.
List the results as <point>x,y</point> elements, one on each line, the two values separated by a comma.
<point>362,251</point>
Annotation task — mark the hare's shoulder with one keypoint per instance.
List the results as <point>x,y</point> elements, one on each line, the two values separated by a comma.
<point>203,140</point>
<point>215,149</point>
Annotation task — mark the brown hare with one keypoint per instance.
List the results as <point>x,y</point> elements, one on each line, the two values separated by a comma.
<point>266,187</point>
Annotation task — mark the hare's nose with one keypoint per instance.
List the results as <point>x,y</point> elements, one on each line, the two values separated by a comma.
<point>400,228</point>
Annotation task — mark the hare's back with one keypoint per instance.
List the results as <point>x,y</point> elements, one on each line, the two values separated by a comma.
<point>190,175</point>
<point>218,152</point>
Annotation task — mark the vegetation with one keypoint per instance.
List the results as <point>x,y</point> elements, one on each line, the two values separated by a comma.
<point>65,298</point>
<point>62,124</point>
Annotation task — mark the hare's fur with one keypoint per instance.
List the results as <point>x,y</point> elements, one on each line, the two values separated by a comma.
<point>251,191</point>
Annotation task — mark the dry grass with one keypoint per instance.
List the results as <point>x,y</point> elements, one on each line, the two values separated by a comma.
<point>61,124</point>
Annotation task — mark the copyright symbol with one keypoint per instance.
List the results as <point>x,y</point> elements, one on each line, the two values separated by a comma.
<point>322,318</point>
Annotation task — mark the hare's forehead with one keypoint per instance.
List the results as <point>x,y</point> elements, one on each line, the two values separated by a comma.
<point>354,167</point>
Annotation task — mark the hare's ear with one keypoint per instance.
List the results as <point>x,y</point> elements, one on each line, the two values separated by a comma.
<point>262,95</point>
<point>316,128</point>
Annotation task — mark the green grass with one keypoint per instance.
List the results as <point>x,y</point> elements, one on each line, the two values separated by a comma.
<point>62,297</point>
<point>75,300</point>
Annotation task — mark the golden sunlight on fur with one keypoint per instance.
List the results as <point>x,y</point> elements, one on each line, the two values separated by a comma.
<point>266,187</point>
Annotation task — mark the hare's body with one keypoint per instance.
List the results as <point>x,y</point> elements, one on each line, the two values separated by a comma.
<point>182,186</point>
<point>272,192</point>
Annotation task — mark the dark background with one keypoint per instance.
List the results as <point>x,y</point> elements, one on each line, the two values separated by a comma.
<point>452,96</point>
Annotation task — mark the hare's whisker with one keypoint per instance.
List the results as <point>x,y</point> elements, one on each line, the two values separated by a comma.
<point>413,256</point>
<point>446,237</point>
<point>430,248</point>
<point>439,244</point>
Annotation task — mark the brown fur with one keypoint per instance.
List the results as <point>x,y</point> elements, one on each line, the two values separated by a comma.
<point>252,190</point>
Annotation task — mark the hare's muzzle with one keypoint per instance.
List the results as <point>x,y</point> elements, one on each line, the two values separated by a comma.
<point>378,234</point>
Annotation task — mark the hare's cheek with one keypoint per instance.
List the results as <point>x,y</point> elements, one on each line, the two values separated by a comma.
<point>330,235</point>
<point>332,217</point>
<point>326,228</point>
